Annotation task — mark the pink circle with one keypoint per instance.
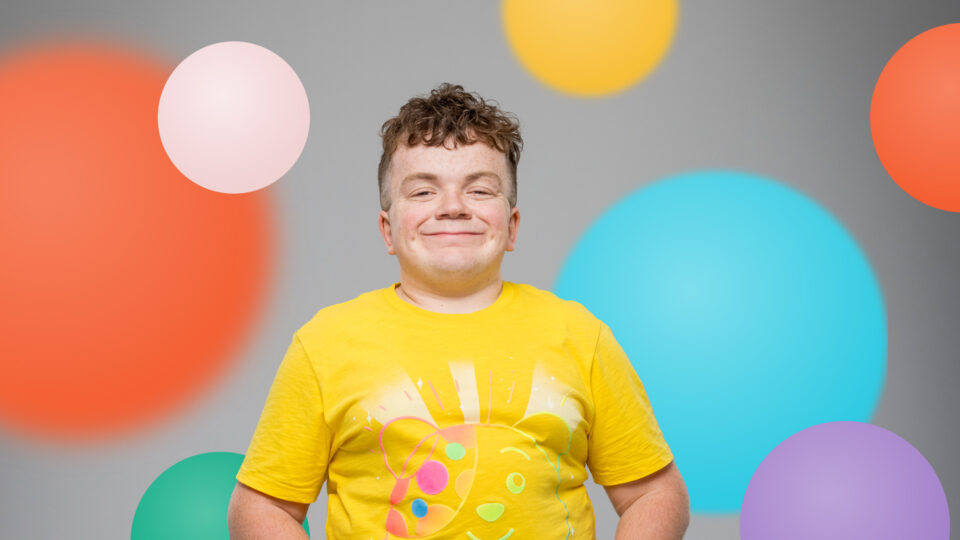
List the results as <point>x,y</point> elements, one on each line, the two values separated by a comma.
<point>233,117</point>
<point>432,477</point>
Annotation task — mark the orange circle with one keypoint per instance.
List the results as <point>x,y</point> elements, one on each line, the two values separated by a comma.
<point>915,117</point>
<point>127,289</point>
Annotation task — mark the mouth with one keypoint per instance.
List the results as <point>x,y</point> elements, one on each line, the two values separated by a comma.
<point>504,537</point>
<point>451,235</point>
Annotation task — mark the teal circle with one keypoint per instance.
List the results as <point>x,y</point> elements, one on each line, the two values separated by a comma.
<point>747,310</point>
<point>189,500</point>
<point>513,485</point>
<point>455,451</point>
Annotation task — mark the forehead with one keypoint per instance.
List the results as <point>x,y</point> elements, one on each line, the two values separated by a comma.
<point>447,162</point>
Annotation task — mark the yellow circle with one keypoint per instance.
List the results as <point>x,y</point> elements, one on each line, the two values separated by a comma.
<point>589,47</point>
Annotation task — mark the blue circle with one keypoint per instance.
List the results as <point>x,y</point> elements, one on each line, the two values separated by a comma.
<point>419,507</point>
<point>748,312</point>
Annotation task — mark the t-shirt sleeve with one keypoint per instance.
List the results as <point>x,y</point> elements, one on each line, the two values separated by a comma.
<point>287,457</point>
<point>625,442</point>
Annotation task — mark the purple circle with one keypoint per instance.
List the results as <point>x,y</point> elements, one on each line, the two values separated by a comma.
<point>844,480</point>
<point>432,477</point>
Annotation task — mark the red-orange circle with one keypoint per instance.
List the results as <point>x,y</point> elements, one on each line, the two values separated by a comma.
<point>126,288</point>
<point>915,117</point>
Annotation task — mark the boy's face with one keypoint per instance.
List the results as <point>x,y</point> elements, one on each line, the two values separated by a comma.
<point>449,220</point>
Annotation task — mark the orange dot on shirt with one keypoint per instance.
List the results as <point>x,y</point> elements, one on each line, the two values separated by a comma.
<point>126,288</point>
<point>915,117</point>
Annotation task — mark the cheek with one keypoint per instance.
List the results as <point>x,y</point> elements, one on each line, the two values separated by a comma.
<point>496,219</point>
<point>410,224</point>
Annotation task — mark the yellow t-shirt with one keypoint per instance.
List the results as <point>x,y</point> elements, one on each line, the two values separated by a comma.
<point>472,426</point>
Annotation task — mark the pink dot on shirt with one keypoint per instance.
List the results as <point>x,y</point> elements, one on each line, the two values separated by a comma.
<point>432,477</point>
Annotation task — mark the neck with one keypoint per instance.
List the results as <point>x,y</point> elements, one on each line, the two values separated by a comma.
<point>450,298</point>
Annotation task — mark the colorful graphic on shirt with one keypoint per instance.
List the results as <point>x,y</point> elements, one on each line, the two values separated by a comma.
<point>478,477</point>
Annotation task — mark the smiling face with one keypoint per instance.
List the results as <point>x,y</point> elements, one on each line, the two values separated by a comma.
<point>450,219</point>
<point>481,480</point>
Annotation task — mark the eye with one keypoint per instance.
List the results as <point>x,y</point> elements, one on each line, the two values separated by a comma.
<point>516,482</point>
<point>421,193</point>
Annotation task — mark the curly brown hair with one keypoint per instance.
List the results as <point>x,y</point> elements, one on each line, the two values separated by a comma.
<point>450,112</point>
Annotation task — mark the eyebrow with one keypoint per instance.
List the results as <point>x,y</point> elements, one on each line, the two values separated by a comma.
<point>512,449</point>
<point>429,177</point>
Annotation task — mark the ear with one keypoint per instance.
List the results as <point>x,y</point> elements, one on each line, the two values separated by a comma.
<point>383,219</point>
<point>512,225</point>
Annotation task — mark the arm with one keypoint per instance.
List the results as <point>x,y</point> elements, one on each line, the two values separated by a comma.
<point>655,507</point>
<point>253,515</point>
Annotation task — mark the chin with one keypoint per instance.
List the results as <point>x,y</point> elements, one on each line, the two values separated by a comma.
<point>456,271</point>
<point>449,271</point>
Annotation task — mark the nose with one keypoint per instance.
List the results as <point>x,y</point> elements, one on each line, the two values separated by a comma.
<point>452,205</point>
<point>490,511</point>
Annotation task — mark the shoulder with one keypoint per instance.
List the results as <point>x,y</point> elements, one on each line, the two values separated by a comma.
<point>549,304</point>
<point>344,315</point>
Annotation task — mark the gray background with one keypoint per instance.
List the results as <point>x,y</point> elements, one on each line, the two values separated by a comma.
<point>777,88</point>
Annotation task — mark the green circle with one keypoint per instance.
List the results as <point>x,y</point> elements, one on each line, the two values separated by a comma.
<point>189,500</point>
<point>512,484</point>
<point>455,451</point>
